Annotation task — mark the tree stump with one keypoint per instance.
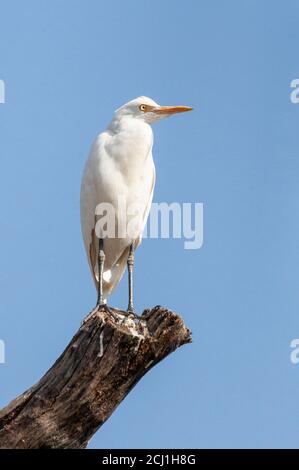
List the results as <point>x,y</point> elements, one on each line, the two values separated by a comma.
<point>105,359</point>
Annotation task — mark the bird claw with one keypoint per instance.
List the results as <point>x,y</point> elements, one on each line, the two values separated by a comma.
<point>107,310</point>
<point>132,314</point>
<point>97,308</point>
<point>85,320</point>
<point>131,311</point>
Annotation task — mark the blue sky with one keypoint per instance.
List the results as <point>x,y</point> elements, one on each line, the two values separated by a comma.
<point>67,66</point>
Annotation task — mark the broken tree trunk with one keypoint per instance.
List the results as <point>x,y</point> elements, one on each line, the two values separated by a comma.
<point>99,367</point>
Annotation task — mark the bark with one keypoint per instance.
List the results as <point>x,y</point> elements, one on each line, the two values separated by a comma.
<point>99,367</point>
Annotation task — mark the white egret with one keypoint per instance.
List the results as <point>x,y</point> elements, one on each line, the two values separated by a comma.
<point>120,164</point>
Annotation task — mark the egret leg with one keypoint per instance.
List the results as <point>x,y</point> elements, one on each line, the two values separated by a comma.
<point>101,261</point>
<point>130,263</point>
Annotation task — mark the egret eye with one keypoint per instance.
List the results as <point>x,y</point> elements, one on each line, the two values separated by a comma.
<point>142,107</point>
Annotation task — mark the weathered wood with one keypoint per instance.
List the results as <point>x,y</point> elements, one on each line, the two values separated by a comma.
<point>98,368</point>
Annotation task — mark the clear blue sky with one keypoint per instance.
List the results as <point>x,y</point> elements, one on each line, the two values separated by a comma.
<point>67,65</point>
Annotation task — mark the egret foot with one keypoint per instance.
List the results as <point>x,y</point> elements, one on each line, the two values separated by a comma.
<point>97,308</point>
<point>107,309</point>
<point>132,314</point>
<point>131,310</point>
<point>88,316</point>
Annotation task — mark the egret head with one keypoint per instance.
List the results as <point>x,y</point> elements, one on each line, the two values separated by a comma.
<point>147,110</point>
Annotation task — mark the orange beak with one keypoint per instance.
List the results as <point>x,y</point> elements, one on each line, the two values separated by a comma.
<point>171,109</point>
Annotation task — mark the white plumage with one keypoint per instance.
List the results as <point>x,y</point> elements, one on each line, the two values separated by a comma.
<point>120,164</point>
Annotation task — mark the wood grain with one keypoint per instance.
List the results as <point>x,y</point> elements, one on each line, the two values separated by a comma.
<point>99,367</point>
